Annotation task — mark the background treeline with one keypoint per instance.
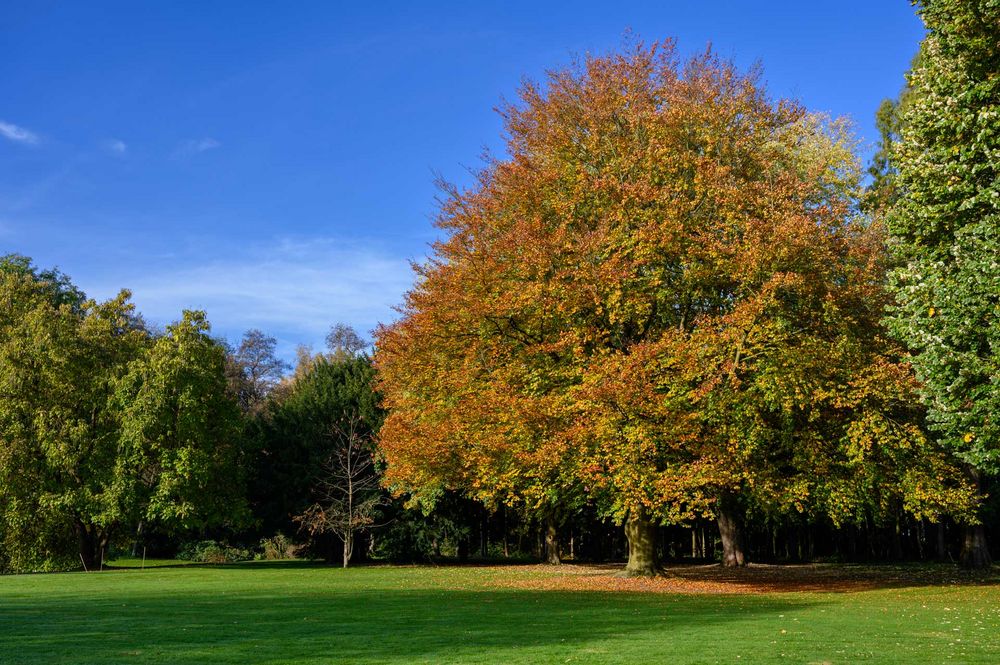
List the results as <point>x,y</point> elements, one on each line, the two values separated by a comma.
<point>120,439</point>
<point>674,306</point>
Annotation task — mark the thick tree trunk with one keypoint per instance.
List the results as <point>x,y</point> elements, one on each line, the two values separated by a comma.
<point>850,543</point>
<point>552,541</point>
<point>91,545</point>
<point>731,532</point>
<point>641,534</point>
<point>975,553</point>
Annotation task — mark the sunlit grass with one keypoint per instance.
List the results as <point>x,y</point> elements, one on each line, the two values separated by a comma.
<point>302,613</point>
<point>145,563</point>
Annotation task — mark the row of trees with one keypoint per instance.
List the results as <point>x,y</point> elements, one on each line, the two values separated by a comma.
<point>114,433</point>
<point>673,300</point>
<point>104,425</point>
<point>116,436</point>
<point>176,438</point>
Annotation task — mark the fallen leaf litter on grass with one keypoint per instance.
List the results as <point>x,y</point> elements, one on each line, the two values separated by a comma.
<point>713,579</point>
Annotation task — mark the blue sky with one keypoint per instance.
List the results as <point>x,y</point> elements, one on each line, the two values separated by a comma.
<point>273,163</point>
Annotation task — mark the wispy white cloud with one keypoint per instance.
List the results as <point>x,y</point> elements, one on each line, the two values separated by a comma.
<point>115,146</point>
<point>294,289</point>
<point>194,146</point>
<point>17,134</point>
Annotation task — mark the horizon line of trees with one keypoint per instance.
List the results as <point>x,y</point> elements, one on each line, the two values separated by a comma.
<point>277,442</point>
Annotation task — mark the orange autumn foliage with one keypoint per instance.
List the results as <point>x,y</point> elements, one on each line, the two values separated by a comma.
<point>661,295</point>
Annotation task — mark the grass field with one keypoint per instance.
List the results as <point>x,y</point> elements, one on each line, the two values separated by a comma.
<point>300,613</point>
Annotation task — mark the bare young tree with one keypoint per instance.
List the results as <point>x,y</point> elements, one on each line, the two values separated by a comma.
<point>254,369</point>
<point>348,490</point>
<point>343,341</point>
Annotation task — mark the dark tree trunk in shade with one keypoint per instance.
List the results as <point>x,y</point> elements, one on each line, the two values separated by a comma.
<point>975,552</point>
<point>552,541</point>
<point>897,541</point>
<point>91,545</point>
<point>484,535</point>
<point>641,534</point>
<point>942,549</point>
<point>731,533</point>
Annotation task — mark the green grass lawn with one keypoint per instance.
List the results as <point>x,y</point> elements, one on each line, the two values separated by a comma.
<point>300,613</point>
<point>147,563</point>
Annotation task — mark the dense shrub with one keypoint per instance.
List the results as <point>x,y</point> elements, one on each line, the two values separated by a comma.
<point>210,551</point>
<point>276,548</point>
<point>414,537</point>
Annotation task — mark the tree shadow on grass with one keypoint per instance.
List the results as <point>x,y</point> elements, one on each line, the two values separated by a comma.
<point>829,577</point>
<point>284,622</point>
<point>235,565</point>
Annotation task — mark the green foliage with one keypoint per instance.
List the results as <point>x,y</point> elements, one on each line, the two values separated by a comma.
<point>61,480</point>
<point>103,426</point>
<point>417,537</point>
<point>277,548</point>
<point>946,226</point>
<point>296,437</point>
<point>210,551</point>
<point>883,190</point>
<point>182,430</point>
<point>56,285</point>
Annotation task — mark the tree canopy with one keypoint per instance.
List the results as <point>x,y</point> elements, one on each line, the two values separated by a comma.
<point>104,425</point>
<point>945,229</point>
<point>664,299</point>
<point>299,431</point>
<point>61,482</point>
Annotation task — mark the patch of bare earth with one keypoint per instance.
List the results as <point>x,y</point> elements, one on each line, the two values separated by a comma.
<point>755,578</point>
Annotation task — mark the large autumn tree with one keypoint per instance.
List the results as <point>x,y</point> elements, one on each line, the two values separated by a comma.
<point>945,231</point>
<point>662,302</point>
